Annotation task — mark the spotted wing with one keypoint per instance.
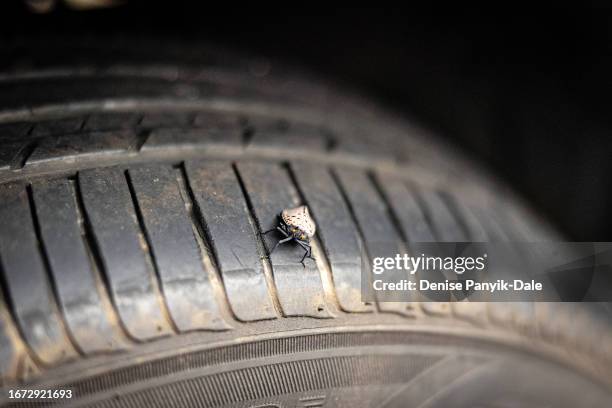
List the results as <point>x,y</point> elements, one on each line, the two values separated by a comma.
<point>299,217</point>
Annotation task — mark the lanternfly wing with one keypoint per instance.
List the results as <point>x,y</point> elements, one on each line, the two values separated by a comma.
<point>299,217</point>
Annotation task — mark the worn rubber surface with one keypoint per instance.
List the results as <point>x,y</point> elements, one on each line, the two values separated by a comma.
<point>132,198</point>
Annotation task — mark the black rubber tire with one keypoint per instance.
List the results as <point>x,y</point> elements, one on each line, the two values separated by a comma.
<point>132,197</point>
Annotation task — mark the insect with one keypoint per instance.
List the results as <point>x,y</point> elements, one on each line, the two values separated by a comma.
<point>295,224</point>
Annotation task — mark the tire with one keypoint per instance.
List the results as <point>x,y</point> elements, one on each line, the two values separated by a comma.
<point>132,198</point>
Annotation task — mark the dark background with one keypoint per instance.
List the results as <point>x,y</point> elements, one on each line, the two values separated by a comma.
<point>529,94</point>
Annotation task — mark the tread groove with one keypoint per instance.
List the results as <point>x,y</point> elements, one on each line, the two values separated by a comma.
<point>327,278</point>
<point>395,221</point>
<point>141,138</point>
<point>331,141</point>
<point>47,266</point>
<point>248,133</point>
<point>452,207</point>
<point>6,298</point>
<point>22,156</point>
<point>351,210</point>
<point>149,253</point>
<point>5,301</point>
<point>261,248</point>
<point>95,256</point>
<point>424,209</point>
<point>84,123</point>
<point>202,237</point>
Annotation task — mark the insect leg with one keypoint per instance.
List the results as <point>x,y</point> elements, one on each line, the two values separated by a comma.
<point>306,246</point>
<point>310,253</point>
<point>282,241</point>
<point>304,257</point>
<point>307,251</point>
<point>276,229</point>
<point>282,231</point>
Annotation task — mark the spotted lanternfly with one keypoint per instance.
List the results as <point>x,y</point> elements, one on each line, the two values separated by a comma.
<point>296,224</point>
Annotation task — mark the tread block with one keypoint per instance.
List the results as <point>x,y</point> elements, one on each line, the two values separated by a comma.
<point>131,278</point>
<point>218,122</point>
<point>337,232</point>
<point>212,130</point>
<point>14,131</point>
<point>87,311</point>
<point>57,127</point>
<point>411,217</point>
<point>437,308</point>
<point>416,227</point>
<point>26,278</point>
<point>492,228</point>
<point>222,204</point>
<point>522,226</point>
<point>9,347</point>
<point>13,356</point>
<point>10,152</point>
<point>496,233</point>
<point>474,312</point>
<point>111,121</point>
<point>508,237</point>
<point>443,222</point>
<point>365,148</point>
<point>185,284</point>
<point>379,235</point>
<point>193,138</point>
<point>476,232</point>
<point>63,148</point>
<point>448,229</point>
<point>74,88</point>
<point>519,315</point>
<point>162,119</point>
<point>300,289</point>
<point>270,134</point>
